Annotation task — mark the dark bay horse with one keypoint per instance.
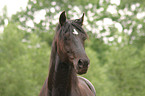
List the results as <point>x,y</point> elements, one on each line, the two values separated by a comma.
<point>68,58</point>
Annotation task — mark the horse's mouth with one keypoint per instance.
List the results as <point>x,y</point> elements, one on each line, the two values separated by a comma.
<point>82,71</point>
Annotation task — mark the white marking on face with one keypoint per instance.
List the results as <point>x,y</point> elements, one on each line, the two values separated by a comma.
<point>75,32</point>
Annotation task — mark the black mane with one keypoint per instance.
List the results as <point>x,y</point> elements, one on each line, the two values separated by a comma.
<point>68,58</point>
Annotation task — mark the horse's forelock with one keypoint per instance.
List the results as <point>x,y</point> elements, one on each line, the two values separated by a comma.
<point>67,27</point>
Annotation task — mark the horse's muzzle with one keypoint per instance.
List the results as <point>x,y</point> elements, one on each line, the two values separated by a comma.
<point>82,66</point>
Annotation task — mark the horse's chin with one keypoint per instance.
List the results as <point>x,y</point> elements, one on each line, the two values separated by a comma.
<point>82,71</point>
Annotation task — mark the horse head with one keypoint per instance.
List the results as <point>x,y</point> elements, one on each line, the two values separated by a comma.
<point>69,39</point>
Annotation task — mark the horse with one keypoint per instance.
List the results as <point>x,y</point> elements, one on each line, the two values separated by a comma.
<point>68,58</point>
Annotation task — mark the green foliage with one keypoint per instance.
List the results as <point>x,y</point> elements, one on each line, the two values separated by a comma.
<point>97,74</point>
<point>22,63</point>
<point>117,65</point>
<point>126,70</point>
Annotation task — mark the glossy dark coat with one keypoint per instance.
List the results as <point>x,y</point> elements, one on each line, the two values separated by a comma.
<point>68,58</point>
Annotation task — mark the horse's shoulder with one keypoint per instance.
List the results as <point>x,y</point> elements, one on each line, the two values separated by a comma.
<point>89,84</point>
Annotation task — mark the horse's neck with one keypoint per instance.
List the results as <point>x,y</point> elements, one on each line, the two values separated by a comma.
<point>52,67</point>
<point>64,78</point>
<point>61,76</point>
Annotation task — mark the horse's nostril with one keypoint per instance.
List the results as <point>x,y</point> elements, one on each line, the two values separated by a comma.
<point>80,63</point>
<point>83,63</point>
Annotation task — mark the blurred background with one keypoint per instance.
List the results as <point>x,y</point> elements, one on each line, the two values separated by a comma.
<point>116,44</point>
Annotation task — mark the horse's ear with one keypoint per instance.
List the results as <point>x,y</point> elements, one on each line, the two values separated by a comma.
<point>80,21</point>
<point>62,18</point>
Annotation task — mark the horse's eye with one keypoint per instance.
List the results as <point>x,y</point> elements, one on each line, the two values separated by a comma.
<point>84,38</point>
<point>68,51</point>
<point>65,38</point>
<point>76,20</point>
